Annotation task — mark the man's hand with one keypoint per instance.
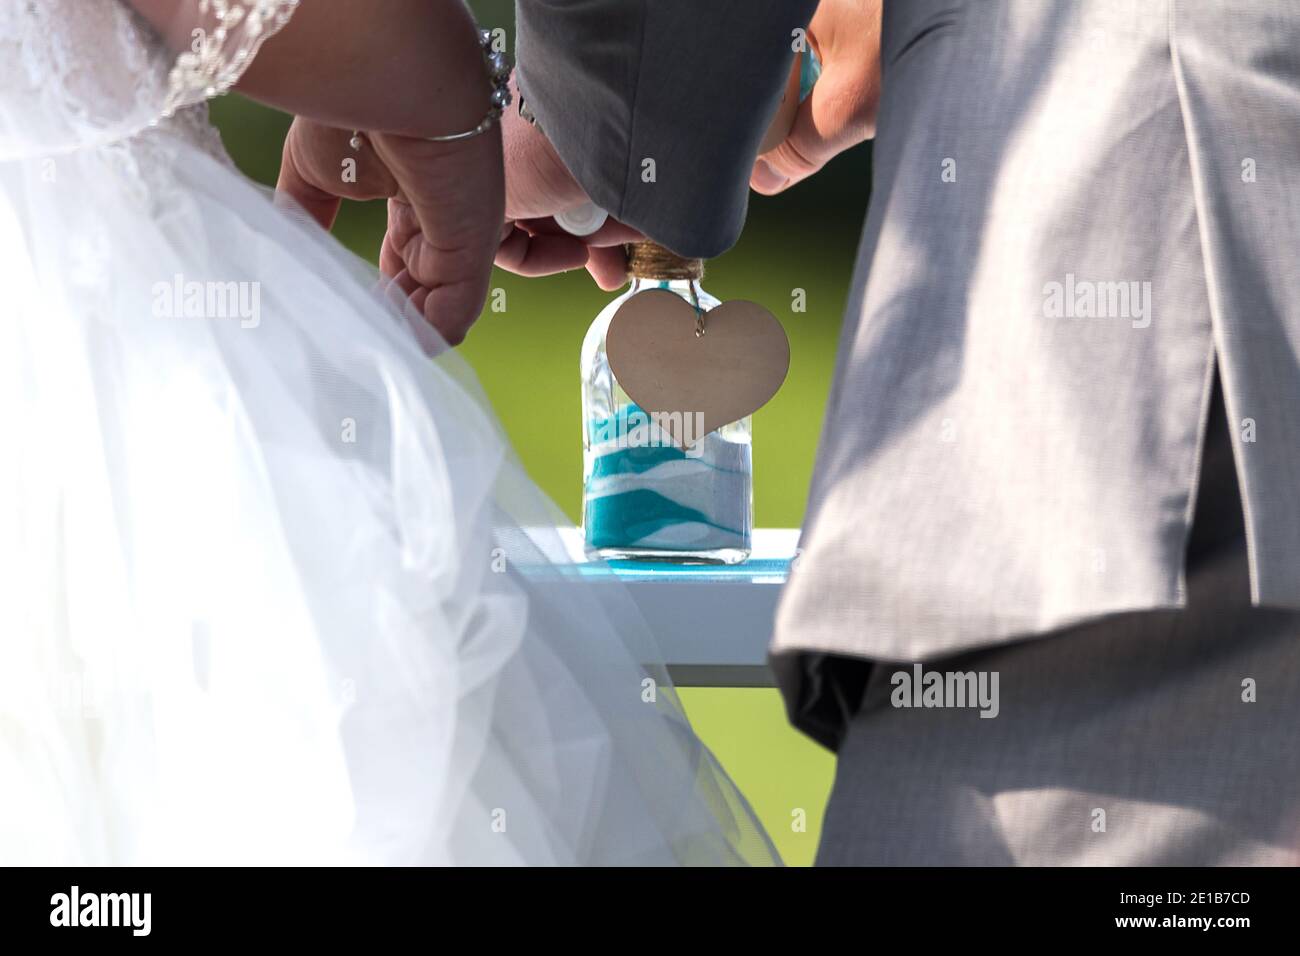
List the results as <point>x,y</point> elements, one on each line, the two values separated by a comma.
<point>841,111</point>
<point>539,185</point>
<point>446,203</point>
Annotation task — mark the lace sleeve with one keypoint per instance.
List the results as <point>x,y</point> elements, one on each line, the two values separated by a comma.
<point>224,48</point>
<point>82,73</point>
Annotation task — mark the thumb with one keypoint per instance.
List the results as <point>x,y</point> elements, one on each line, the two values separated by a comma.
<point>825,124</point>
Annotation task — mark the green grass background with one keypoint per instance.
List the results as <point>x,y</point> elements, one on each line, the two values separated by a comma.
<point>527,360</point>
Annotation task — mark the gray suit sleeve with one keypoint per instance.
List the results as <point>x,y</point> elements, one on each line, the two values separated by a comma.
<point>658,106</point>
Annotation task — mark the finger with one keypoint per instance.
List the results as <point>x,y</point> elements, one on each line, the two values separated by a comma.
<point>612,233</point>
<point>540,255</point>
<point>403,227</point>
<point>803,152</point>
<point>453,285</point>
<point>606,258</point>
<point>390,261</point>
<point>318,204</point>
<point>608,266</point>
<point>452,309</point>
<point>829,121</point>
<point>407,284</point>
<point>403,224</point>
<point>445,308</point>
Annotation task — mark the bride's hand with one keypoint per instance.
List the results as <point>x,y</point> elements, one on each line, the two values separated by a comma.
<point>414,72</point>
<point>445,202</point>
<point>444,224</point>
<point>315,172</point>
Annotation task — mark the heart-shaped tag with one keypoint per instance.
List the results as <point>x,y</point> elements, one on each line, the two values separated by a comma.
<point>730,371</point>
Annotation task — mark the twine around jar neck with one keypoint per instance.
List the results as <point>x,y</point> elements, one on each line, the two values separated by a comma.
<point>654,263</point>
<point>649,260</point>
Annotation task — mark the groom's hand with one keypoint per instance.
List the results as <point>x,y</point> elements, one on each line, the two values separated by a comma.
<point>539,185</point>
<point>841,111</point>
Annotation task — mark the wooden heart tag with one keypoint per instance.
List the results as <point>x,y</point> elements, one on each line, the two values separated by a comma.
<point>730,371</point>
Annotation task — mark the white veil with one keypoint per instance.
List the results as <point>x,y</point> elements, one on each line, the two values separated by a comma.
<point>278,591</point>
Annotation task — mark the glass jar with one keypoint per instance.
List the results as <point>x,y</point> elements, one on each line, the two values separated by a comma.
<point>644,496</point>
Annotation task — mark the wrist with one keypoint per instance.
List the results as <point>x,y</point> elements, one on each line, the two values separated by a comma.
<point>461,94</point>
<point>450,86</point>
<point>495,67</point>
<point>538,183</point>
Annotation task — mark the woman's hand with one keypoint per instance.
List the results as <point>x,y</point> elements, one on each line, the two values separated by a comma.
<point>319,169</point>
<point>446,203</point>
<point>841,111</point>
<point>444,224</point>
<point>412,71</point>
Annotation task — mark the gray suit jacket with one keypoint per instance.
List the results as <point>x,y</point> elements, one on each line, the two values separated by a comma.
<point>658,106</point>
<point>1079,209</point>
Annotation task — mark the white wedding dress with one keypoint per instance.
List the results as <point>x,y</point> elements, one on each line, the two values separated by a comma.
<point>272,587</point>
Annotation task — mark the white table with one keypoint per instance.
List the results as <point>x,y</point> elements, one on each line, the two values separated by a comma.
<point>713,623</point>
